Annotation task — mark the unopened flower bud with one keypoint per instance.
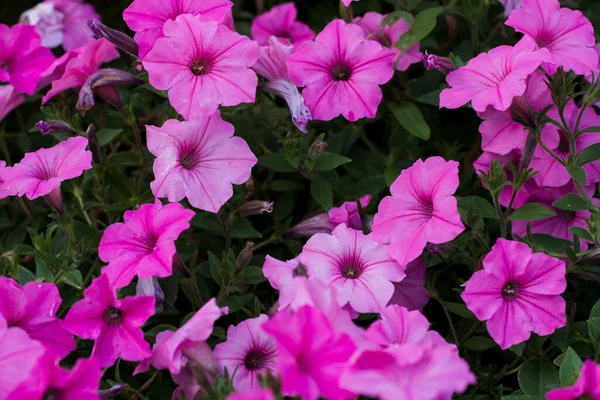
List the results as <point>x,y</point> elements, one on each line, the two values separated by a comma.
<point>179,266</point>
<point>119,39</point>
<point>442,64</point>
<point>54,199</point>
<point>112,392</point>
<point>316,148</point>
<point>255,207</point>
<point>317,224</point>
<point>346,13</point>
<point>90,133</point>
<point>103,83</point>
<point>151,287</point>
<point>53,127</point>
<point>523,113</point>
<point>244,257</point>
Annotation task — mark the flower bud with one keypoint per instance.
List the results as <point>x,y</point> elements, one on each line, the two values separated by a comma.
<point>103,83</point>
<point>442,64</point>
<point>346,13</point>
<point>90,133</point>
<point>179,266</point>
<point>151,287</point>
<point>317,224</point>
<point>316,148</point>
<point>523,113</point>
<point>255,207</point>
<point>54,199</point>
<point>112,392</point>
<point>119,39</point>
<point>244,257</point>
<point>53,127</point>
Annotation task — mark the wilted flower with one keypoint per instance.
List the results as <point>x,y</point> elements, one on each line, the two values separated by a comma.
<point>54,127</point>
<point>442,64</point>
<point>280,22</point>
<point>255,207</point>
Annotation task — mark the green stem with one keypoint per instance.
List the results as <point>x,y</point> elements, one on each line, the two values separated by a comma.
<point>272,239</point>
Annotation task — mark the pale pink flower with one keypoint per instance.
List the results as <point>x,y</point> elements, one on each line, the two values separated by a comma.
<point>76,14</point>
<point>311,355</point>
<point>421,209</point>
<point>271,65</point>
<point>144,245</point>
<point>494,78</point>
<point>517,293</point>
<point>33,308</point>
<point>10,99</point>
<point>114,325</point>
<point>48,23</point>
<point>388,36</point>
<point>411,292</point>
<point>348,214</point>
<point>356,265</point>
<point>200,160</point>
<point>259,394</point>
<point>341,72</point>
<point>247,353</point>
<point>202,65</point>
<point>280,22</point>
<point>567,34</point>
<point>510,5</point>
<point>347,2</point>
<point>280,273</point>
<point>23,59</point>
<point>19,357</point>
<point>586,387</point>
<point>147,17</point>
<point>188,385</point>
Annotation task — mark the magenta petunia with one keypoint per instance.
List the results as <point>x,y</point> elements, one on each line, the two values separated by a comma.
<point>248,353</point>
<point>4,170</point>
<point>517,293</point>
<point>82,66</point>
<point>200,160</point>
<point>348,214</point>
<point>280,22</point>
<point>10,99</point>
<point>586,387</point>
<point>23,59</point>
<point>144,244</point>
<point>311,355</point>
<point>371,24</point>
<point>341,72</point>
<point>567,34</point>
<point>76,14</point>
<point>148,17</point>
<point>57,69</point>
<point>411,292</point>
<point>113,324</point>
<point>33,308</point>
<point>202,65</point>
<point>421,209</point>
<point>259,394</point>
<point>494,78</point>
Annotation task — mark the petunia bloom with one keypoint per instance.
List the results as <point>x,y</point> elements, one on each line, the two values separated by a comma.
<point>517,293</point>
<point>280,273</point>
<point>200,160</point>
<point>148,17</point>
<point>23,59</point>
<point>567,34</point>
<point>33,308</point>
<point>311,355</point>
<point>114,325</point>
<point>259,394</point>
<point>347,2</point>
<point>356,265</point>
<point>586,387</point>
<point>411,292</point>
<point>271,64</point>
<point>247,353</point>
<point>421,209</point>
<point>510,5</point>
<point>10,99</point>
<point>388,36</point>
<point>494,78</point>
<point>4,170</point>
<point>202,65</point>
<point>76,14</point>
<point>348,213</point>
<point>341,72</point>
<point>48,23</point>
<point>144,245</point>
<point>280,22</point>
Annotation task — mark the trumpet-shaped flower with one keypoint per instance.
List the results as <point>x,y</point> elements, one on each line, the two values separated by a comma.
<point>586,387</point>
<point>202,65</point>
<point>144,245</point>
<point>411,292</point>
<point>200,160</point>
<point>341,72</point>
<point>421,209</point>
<point>280,22</point>
<point>48,23</point>
<point>280,273</point>
<point>76,14</point>
<point>348,214</point>
<point>517,293</point>
<point>114,325</point>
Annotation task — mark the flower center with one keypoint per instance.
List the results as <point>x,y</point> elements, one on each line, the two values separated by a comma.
<point>50,395</point>
<point>300,270</point>
<point>189,160</point>
<point>341,72</point>
<point>256,359</point>
<point>563,146</point>
<point>112,316</point>
<point>200,66</point>
<point>352,268</point>
<point>509,290</point>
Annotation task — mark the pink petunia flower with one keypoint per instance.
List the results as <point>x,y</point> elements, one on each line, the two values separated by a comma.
<point>259,394</point>
<point>144,245</point>
<point>567,34</point>
<point>33,308</point>
<point>421,209</point>
<point>411,292</point>
<point>517,293</point>
<point>271,64</point>
<point>76,14</point>
<point>280,273</point>
<point>4,170</point>
<point>494,78</point>
<point>188,385</point>
<point>203,65</point>
<point>52,381</point>
<point>280,22</point>
<point>348,214</point>
<point>341,72</point>
<point>247,353</point>
<point>114,325</point>
<point>347,2</point>
<point>510,5</point>
<point>40,173</point>
<point>57,69</point>
<point>311,355</point>
<point>586,387</point>
<point>19,357</point>
<point>22,57</point>
<point>48,23</point>
<point>388,36</point>
<point>551,172</point>
<point>173,352</point>
<point>200,160</point>
<point>356,265</point>
<point>148,17</point>
<point>10,99</point>
<point>81,67</point>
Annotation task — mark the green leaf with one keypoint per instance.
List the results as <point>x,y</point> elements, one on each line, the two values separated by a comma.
<point>25,275</point>
<point>570,367</point>
<point>251,275</point>
<point>459,309</point>
<point>73,278</point>
<point>42,272</point>
<point>242,229</point>
<point>322,192</point>
<point>537,376</point>
<point>518,348</point>
<point>531,212</point>
<point>571,202</point>
<point>549,243</point>
<point>215,268</point>
<point>105,135</point>
<point>286,186</point>
<point>277,162</point>
<point>421,26</point>
<point>88,235</point>
<point>582,233</point>
<point>411,119</point>
<point>395,16</point>
<point>589,154</point>
<point>593,325</point>
<point>326,161</point>
<point>479,206</point>
<point>595,313</point>
<point>578,174</point>
<point>390,174</point>
<point>234,303</point>
<point>219,333</point>
<point>479,343</point>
